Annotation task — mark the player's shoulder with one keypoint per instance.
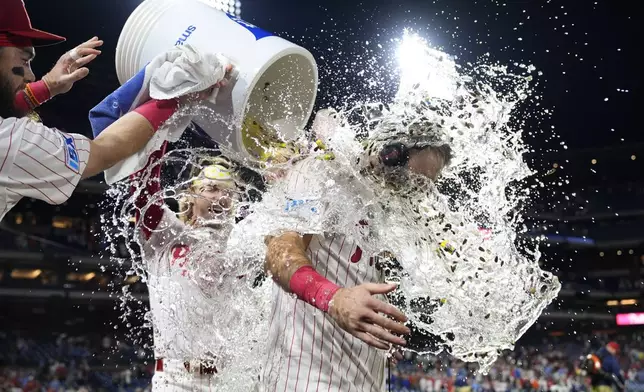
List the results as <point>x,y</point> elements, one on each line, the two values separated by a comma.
<point>305,174</point>
<point>310,166</point>
<point>10,124</point>
<point>15,126</point>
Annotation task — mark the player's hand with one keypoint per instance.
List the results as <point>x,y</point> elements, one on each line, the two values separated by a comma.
<point>207,93</point>
<point>356,311</point>
<point>70,68</point>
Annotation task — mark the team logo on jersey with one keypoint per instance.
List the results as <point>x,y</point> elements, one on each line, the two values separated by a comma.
<point>301,205</point>
<point>72,160</point>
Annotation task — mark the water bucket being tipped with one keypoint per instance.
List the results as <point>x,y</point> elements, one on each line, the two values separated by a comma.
<point>269,100</point>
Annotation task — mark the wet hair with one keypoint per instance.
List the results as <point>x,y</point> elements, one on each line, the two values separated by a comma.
<point>186,202</point>
<point>445,152</point>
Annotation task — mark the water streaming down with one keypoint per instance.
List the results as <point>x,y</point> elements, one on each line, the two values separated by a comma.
<point>467,282</point>
<point>453,247</point>
<point>201,306</point>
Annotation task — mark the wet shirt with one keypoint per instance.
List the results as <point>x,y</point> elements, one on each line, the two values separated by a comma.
<point>308,351</point>
<point>178,298</point>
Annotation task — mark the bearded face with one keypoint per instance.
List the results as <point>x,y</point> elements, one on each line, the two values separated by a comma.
<point>15,73</point>
<point>7,98</point>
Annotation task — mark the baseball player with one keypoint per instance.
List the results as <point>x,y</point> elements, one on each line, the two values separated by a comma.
<point>330,327</point>
<point>45,163</point>
<point>179,281</point>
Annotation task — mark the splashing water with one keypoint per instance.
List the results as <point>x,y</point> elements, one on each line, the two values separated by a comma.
<point>452,245</point>
<point>201,306</point>
<point>463,279</point>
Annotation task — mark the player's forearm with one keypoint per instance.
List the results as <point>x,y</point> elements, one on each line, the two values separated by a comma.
<point>120,140</point>
<point>293,271</point>
<point>285,255</point>
<point>128,135</point>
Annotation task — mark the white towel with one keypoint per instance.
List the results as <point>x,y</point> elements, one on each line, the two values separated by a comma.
<point>184,70</point>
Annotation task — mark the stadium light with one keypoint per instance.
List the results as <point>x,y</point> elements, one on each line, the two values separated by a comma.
<point>61,222</point>
<point>627,302</point>
<point>25,273</point>
<point>80,277</point>
<point>612,303</point>
<point>410,49</point>
<point>424,70</point>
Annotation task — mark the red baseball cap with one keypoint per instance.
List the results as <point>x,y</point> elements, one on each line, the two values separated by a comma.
<point>16,30</point>
<point>614,346</point>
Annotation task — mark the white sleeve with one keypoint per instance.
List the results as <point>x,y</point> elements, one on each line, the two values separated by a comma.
<point>303,179</point>
<point>159,240</point>
<point>40,162</point>
<point>292,203</point>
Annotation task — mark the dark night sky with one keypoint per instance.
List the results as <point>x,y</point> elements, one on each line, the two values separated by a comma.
<point>586,49</point>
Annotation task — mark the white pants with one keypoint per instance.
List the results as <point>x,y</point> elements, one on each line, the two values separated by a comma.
<point>175,377</point>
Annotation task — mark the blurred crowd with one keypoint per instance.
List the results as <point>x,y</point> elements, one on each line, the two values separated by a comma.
<point>72,363</point>
<point>551,366</point>
<point>103,363</point>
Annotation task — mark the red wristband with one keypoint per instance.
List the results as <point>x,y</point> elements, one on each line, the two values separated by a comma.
<point>158,112</point>
<point>40,91</point>
<point>32,96</point>
<point>313,288</point>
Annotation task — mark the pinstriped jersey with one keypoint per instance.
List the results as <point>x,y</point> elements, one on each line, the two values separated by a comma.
<point>308,351</point>
<point>178,303</point>
<point>39,162</point>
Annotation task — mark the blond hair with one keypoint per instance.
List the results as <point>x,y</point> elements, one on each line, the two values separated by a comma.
<point>218,171</point>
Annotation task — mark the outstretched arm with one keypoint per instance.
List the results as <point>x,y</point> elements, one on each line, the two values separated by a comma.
<point>47,164</point>
<point>127,135</point>
<point>354,309</point>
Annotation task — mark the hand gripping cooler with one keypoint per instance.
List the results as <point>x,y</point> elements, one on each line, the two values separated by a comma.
<point>276,82</point>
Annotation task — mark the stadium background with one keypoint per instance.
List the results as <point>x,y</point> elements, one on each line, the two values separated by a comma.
<point>61,321</point>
